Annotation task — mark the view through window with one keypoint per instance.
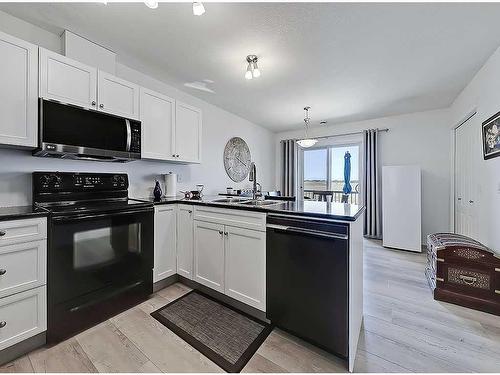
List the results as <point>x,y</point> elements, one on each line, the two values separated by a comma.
<point>324,173</point>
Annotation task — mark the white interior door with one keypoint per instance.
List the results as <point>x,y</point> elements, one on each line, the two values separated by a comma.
<point>467,184</point>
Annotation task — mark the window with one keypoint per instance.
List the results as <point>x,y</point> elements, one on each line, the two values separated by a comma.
<point>323,172</point>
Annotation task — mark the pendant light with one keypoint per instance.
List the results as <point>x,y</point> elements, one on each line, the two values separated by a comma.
<point>307,142</point>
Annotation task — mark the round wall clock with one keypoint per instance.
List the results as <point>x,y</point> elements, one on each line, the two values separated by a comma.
<point>237,159</point>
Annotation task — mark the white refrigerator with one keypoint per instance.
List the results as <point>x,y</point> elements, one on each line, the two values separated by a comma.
<point>402,207</point>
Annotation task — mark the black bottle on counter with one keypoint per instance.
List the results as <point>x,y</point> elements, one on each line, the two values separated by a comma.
<point>157,191</point>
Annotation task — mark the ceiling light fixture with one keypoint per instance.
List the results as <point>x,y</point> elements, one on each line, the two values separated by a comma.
<point>253,70</point>
<point>198,8</point>
<point>307,142</point>
<point>153,4</point>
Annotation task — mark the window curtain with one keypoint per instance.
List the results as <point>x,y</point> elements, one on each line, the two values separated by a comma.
<point>289,167</point>
<point>372,189</point>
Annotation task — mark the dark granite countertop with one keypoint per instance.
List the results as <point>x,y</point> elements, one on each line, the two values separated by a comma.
<point>324,210</point>
<point>21,212</point>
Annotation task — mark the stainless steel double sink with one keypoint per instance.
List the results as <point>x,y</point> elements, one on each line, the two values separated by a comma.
<point>247,201</point>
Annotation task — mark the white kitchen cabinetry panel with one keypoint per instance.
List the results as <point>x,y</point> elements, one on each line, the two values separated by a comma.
<point>67,80</point>
<point>164,244</point>
<point>24,230</point>
<point>236,218</point>
<point>22,315</point>
<point>185,236</point>
<point>117,96</point>
<point>187,133</point>
<point>22,267</point>
<point>157,115</point>
<point>245,266</point>
<point>209,254</point>
<point>18,92</point>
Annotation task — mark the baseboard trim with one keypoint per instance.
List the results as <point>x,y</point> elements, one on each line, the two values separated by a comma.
<point>165,282</point>
<point>252,311</point>
<point>23,347</point>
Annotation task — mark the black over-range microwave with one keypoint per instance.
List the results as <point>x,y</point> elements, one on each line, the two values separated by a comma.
<point>71,132</point>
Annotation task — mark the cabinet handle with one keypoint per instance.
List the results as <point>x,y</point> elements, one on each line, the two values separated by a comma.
<point>2,272</point>
<point>221,232</point>
<point>459,198</point>
<point>190,211</point>
<point>469,280</point>
<point>173,155</point>
<point>93,102</point>
<point>471,201</point>
<point>3,323</point>
<point>2,233</point>
<point>225,233</point>
<point>177,155</point>
<point>101,105</point>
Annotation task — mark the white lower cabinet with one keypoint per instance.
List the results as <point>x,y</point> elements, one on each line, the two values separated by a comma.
<point>231,259</point>
<point>245,266</point>
<point>209,254</point>
<point>185,237</point>
<point>164,242</point>
<point>22,316</point>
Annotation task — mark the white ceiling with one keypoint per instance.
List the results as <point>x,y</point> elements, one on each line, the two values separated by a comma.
<point>349,62</point>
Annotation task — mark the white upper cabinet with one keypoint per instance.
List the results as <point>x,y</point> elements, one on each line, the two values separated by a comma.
<point>117,96</point>
<point>157,115</point>
<point>67,80</point>
<point>185,236</point>
<point>164,242</point>
<point>187,133</point>
<point>18,92</point>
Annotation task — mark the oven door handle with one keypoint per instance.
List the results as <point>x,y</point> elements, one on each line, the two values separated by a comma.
<point>98,216</point>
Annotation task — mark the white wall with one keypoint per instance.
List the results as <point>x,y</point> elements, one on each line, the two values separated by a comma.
<point>421,138</point>
<point>218,127</point>
<point>482,94</point>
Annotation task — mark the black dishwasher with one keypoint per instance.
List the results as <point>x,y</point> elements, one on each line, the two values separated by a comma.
<point>307,279</point>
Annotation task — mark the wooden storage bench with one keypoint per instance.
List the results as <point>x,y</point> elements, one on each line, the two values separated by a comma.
<point>462,271</point>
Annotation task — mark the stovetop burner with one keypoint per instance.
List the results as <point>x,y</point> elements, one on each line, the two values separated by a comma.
<point>77,193</point>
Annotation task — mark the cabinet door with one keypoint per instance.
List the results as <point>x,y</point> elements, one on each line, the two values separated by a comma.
<point>209,254</point>
<point>67,80</point>
<point>187,133</point>
<point>185,236</point>
<point>245,263</point>
<point>165,233</point>
<point>18,92</point>
<point>157,115</point>
<point>117,96</point>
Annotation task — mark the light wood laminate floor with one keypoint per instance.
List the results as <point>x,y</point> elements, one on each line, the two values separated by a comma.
<point>405,330</point>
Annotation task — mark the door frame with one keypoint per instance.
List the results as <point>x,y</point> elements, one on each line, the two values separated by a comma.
<point>453,181</point>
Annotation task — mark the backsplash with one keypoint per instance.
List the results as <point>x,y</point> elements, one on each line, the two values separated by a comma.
<point>16,167</point>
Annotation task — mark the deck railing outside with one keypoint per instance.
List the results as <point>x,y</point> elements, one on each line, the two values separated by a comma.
<point>315,190</point>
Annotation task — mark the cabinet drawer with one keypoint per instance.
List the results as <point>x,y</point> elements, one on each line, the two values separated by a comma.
<point>22,315</point>
<point>17,231</point>
<point>234,217</point>
<point>22,266</point>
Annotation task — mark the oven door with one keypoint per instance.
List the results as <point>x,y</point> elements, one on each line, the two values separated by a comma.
<point>99,255</point>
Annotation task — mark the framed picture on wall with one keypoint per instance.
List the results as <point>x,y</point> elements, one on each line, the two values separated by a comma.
<point>491,137</point>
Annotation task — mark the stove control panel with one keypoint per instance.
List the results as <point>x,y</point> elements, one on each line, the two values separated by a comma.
<point>73,182</point>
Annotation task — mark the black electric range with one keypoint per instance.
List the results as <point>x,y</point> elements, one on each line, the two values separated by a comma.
<point>100,248</point>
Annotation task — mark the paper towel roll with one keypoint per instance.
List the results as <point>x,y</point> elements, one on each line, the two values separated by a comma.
<point>170,185</point>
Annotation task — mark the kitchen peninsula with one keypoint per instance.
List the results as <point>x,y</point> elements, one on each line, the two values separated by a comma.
<point>297,264</point>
